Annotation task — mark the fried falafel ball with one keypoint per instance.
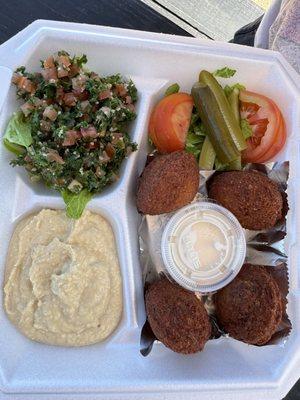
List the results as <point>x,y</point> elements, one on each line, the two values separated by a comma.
<point>177,317</point>
<point>251,196</point>
<point>167,183</point>
<point>250,307</point>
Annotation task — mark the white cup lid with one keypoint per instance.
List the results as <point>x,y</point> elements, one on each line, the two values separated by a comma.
<point>203,246</point>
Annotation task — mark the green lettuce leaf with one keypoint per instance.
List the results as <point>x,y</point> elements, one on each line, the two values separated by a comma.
<point>13,148</point>
<point>194,143</point>
<point>196,126</point>
<point>225,72</point>
<point>246,129</point>
<point>18,131</point>
<point>172,89</point>
<point>196,135</point>
<point>193,138</point>
<point>229,89</point>
<point>190,148</point>
<point>76,202</point>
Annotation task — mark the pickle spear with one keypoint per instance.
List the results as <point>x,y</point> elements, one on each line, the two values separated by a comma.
<point>235,165</point>
<point>222,128</point>
<point>232,124</point>
<point>234,101</point>
<point>207,156</point>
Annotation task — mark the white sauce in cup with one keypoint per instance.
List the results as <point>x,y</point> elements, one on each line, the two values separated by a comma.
<point>203,246</point>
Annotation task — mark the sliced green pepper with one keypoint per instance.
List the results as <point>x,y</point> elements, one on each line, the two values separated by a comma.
<point>207,155</point>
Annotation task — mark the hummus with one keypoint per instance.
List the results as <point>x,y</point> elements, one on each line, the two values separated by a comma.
<point>63,284</point>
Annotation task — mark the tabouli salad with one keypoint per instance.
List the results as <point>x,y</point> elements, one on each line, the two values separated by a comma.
<point>223,127</point>
<point>70,131</point>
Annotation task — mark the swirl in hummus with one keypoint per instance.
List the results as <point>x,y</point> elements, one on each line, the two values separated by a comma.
<point>63,283</point>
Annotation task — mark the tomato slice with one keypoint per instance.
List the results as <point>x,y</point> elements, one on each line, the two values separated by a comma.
<point>277,146</point>
<point>268,127</point>
<point>169,122</point>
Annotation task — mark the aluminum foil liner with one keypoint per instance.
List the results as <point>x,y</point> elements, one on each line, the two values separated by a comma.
<point>266,247</point>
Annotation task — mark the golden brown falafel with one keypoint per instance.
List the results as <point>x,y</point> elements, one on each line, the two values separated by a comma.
<point>167,183</point>
<point>177,317</point>
<point>251,196</point>
<point>250,307</point>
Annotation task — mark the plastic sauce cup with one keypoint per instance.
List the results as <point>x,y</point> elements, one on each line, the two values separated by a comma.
<point>203,246</point>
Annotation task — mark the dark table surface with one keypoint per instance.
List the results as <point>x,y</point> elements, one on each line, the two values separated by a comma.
<point>132,14</point>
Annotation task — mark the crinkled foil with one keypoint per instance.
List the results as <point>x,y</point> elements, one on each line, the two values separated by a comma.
<point>266,247</point>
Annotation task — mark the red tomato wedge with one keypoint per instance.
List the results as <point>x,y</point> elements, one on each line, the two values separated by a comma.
<point>277,146</point>
<point>170,121</point>
<point>268,127</point>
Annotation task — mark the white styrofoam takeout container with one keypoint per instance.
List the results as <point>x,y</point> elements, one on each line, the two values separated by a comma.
<point>226,369</point>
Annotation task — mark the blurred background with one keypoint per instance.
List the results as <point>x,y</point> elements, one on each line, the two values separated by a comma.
<point>214,18</point>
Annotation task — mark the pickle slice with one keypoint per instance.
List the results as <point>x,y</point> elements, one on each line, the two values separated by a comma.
<point>218,118</point>
<point>214,123</point>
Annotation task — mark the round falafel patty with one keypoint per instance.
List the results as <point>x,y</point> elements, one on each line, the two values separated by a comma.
<point>251,196</point>
<point>177,317</point>
<point>167,183</point>
<point>250,307</point>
